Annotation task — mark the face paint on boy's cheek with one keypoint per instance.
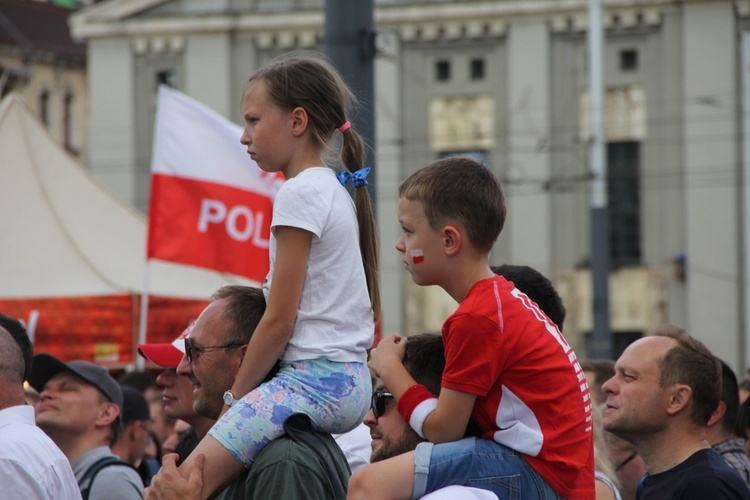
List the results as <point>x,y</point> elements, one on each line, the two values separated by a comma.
<point>417,256</point>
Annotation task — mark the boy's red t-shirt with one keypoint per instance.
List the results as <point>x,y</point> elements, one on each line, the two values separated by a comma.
<point>531,392</point>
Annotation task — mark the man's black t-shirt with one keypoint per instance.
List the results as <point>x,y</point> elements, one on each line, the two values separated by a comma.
<point>704,475</point>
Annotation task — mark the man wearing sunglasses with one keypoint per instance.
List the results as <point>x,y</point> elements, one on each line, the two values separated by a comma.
<point>214,352</point>
<point>391,434</point>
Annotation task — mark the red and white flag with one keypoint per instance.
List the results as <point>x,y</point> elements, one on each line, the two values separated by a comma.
<point>211,205</point>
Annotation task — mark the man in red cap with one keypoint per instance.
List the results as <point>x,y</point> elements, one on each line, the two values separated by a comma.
<point>178,390</point>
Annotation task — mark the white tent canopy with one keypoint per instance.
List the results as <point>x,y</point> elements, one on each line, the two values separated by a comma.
<point>64,235</point>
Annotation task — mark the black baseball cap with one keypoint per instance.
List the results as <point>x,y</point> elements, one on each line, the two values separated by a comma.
<point>46,366</point>
<point>135,405</point>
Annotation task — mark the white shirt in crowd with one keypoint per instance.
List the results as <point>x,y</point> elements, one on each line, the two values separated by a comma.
<point>31,466</point>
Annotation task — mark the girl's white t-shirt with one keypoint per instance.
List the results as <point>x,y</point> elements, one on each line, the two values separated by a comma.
<point>334,316</point>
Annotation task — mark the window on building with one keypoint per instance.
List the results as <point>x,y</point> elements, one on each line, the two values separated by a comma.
<point>629,60</point>
<point>443,71</point>
<point>623,164</point>
<point>67,123</point>
<point>620,341</point>
<point>44,107</point>
<point>9,80</point>
<point>165,77</point>
<point>477,69</point>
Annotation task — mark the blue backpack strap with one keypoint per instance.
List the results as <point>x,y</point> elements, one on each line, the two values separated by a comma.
<point>97,466</point>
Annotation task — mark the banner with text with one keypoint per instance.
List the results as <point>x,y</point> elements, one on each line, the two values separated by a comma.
<point>211,205</point>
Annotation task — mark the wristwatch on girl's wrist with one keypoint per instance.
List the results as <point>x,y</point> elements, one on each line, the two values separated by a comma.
<point>229,399</point>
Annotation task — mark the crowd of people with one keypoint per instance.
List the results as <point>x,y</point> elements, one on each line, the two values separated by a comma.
<point>277,392</point>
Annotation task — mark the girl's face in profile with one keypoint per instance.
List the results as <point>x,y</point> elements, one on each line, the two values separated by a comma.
<point>267,133</point>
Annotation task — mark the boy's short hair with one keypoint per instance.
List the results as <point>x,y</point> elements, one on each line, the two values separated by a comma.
<point>463,190</point>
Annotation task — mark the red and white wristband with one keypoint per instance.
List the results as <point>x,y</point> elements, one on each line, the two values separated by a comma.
<point>415,405</point>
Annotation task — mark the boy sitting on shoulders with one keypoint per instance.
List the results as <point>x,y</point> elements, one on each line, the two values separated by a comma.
<point>507,365</point>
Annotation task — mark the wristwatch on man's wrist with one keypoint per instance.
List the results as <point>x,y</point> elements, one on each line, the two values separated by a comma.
<point>229,399</point>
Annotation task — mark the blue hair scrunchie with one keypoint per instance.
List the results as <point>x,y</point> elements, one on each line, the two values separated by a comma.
<point>358,178</point>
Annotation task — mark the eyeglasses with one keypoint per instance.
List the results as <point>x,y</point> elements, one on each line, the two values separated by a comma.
<point>189,348</point>
<point>377,403</point>
<point>627,460</point>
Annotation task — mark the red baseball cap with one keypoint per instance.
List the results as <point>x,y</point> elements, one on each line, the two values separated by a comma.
<point>166,355</point>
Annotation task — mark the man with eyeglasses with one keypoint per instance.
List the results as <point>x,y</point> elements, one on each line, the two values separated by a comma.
<point>178,392</point>
<point>214,352</point>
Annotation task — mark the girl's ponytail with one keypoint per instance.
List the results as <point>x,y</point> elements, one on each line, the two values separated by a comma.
<point>353,158</point>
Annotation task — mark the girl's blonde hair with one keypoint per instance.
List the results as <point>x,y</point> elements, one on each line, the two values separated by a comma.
<point>314,85</point>
<point>601,457</point>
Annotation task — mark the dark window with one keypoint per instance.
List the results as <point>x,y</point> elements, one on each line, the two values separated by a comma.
<point>623,164</point>
<point>477,69</point>
<point>44,107</point>
<point>165,78</point>
<point>629,60</point>
<point>68,122</point>
<point>620,341</point>
<point>442,71</point>
<point>9,80</point>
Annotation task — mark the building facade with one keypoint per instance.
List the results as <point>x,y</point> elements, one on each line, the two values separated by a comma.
<point>40,61</point>
<point>505,80</point>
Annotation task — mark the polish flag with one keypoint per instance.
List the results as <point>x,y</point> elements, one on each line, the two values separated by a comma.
<point>211,205</point>
<point>417,256</point>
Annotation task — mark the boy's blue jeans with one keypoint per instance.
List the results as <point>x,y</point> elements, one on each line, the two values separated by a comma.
<point>480,463</point>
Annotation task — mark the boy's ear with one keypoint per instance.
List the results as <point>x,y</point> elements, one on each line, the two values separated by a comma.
<point>299,121</point>
<point>451,240</point>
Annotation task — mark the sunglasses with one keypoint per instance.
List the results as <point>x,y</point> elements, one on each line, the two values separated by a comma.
<point>377,403</point>
<point>189,348</point>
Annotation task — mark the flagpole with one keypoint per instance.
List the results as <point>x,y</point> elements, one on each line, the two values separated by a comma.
<point>143,323</point>
<point>31,325</point>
